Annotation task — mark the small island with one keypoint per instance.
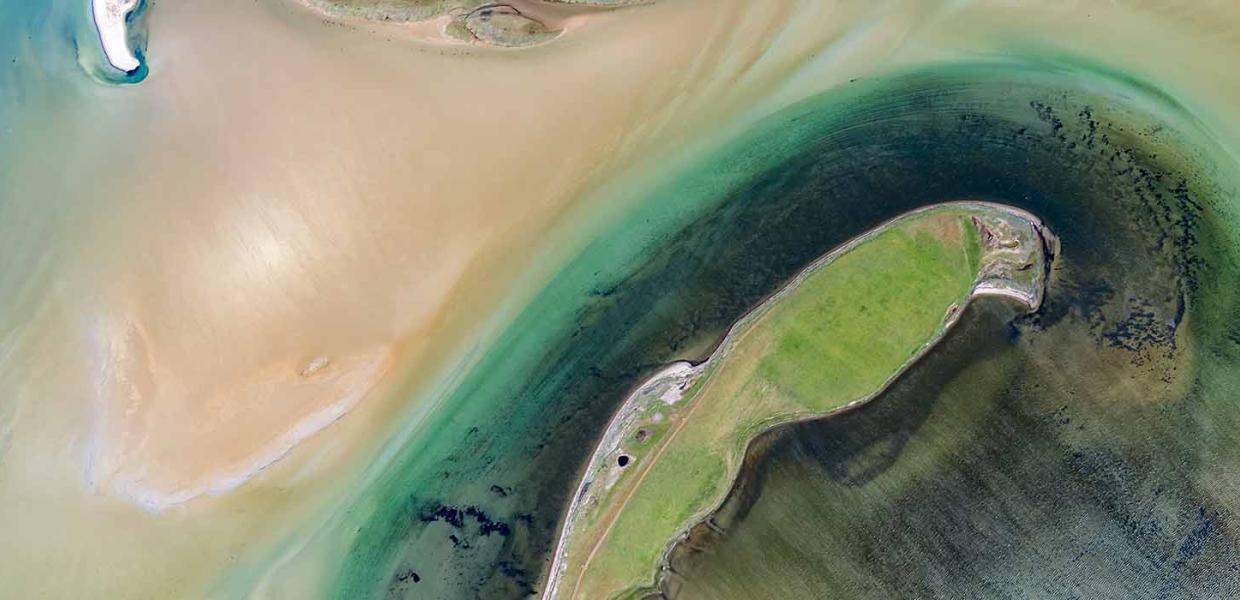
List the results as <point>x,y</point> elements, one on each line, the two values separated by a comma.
<point>112,22</point>
<point>510,24</point>
<point>831,339</point>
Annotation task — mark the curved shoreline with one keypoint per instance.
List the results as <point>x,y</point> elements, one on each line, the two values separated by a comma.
<point>984,285</point>
<point>110,18</point>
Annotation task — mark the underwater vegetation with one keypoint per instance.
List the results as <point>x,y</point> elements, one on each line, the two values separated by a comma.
<point>1146,259</point>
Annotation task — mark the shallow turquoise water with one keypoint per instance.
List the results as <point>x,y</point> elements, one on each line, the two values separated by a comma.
<point>38,76</point>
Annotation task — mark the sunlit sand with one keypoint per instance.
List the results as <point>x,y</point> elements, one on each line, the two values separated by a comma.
<point>275,256</point>
<point>109,16</point>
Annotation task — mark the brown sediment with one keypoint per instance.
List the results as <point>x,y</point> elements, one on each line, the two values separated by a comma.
<point>236,282</point>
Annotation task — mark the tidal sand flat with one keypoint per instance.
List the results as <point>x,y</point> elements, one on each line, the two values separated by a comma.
<point>335,307</point>
<point>828,341</point>
<point>236,286</point>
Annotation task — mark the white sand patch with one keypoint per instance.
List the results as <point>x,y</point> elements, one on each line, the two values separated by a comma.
<point>159,441</point>
<point>109,16</point>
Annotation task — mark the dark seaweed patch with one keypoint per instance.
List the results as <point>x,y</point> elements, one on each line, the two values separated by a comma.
<point>456,517</point>
<point>1141,332</point>
<point>1040,491</point>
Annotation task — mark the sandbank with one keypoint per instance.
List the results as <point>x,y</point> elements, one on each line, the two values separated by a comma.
<point>110,21</point>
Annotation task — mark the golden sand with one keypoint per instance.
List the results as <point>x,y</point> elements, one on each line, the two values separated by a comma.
<point>299,224</point>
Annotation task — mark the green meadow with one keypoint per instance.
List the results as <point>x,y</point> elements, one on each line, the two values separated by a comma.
<point>837,336</point>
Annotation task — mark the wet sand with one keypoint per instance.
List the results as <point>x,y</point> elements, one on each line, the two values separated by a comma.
<point>386,208</point>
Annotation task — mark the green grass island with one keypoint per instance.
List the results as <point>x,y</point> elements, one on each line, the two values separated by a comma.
<point>829,340</point>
